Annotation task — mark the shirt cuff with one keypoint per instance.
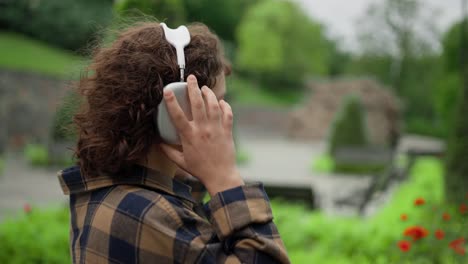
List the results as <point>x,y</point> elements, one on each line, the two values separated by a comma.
<point>236,208</point>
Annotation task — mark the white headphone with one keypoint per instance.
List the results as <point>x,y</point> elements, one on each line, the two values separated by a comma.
<point>179,38</point>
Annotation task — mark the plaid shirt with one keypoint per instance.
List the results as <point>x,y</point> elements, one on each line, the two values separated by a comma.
<point>147,217</point>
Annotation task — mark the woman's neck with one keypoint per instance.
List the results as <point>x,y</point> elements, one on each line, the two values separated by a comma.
<point>157,160</point>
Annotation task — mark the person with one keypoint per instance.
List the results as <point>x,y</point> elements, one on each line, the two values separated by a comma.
<point>126,205</point>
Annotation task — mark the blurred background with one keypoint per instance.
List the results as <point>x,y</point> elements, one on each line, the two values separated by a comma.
<point>352,113</point>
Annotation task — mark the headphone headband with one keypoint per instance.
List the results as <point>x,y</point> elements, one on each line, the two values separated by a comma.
<point>179,38</point>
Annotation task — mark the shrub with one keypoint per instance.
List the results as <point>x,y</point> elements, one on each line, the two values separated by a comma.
<point>65,23</point>
<point>348,129</point>
<point>36,154</point>
<point>323,164</point>
<point>36,236</point>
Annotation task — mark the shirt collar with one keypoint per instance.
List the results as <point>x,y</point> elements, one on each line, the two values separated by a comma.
<point>73,182</point>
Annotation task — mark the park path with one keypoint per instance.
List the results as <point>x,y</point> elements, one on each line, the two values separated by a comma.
<point>282,161</point>
<point>21,184</point>
<point>271,158</point>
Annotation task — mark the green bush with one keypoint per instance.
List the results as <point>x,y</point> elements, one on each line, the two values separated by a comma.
<point>323,164</point>
<point>40,236</point>
<point>70,24</point>
<point>349,128</point>
<point>36,155</point>
<point>62,129</point>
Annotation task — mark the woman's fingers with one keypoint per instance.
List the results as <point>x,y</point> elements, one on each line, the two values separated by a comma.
<point>196,101</point>
<point>176,113</point>
<point>211,104</point>
<point>227,115</point>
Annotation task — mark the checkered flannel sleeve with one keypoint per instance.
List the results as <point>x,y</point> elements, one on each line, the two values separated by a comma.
<point>240,230</point>
<point>243,221</point>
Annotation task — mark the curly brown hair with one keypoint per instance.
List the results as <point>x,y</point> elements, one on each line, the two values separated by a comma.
<point>122,88</point>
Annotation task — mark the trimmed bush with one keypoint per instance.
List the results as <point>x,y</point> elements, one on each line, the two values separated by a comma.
<point>348,129</point>
<point>70,24</point>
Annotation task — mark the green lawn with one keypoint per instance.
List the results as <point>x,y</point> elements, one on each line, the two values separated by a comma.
<point>248,92</point>
<point>21,53</point>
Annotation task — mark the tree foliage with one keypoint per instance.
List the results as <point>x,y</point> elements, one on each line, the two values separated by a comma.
<point>279,42</point>
<point>399,40</point>
<point>456,178</point>
<point>222,16</point>
<point>170,11</point>
<point>69,24</point>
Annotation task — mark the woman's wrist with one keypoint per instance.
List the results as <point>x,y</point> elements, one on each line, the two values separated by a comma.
<point>225,182</point>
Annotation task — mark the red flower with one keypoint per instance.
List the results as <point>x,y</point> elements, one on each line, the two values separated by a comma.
<point>416,232</point>
<point>463,209</point>
<point>458,246</point>
<point>27,208</point>
<point>404,217</point>
<point>460,250</point>
<point>404,245</point>
<point>439,234</point>
<point>419,201</point>
<point>446,216</point>
<point>459,242</point>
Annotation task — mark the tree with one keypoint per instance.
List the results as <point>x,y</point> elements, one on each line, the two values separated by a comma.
<point>170,11</point>
<point>222,16</point>
<point>456,178</point>
<point>449,85</point>
<point>399,41</point>
<point>280,44</point>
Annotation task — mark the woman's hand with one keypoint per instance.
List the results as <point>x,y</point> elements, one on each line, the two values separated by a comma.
<point>208,151</point>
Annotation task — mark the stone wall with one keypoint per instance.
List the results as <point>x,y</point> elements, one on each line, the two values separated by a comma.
<point>28,102</point>
<point>314,119</point>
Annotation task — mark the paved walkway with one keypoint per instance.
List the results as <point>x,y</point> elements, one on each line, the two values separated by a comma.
<point>270,158</point>
<point>288,162</point>
<point>21,184</point>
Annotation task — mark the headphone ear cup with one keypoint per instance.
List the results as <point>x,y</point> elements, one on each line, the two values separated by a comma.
<point>166,128</point>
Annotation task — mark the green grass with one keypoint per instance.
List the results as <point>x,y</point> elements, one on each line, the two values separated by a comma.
<point>25,54</point>
<point>326,164</point>
<point>248,92</point>
<point>323,164</point>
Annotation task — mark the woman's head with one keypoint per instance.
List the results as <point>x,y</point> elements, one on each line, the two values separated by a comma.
<point>124,87</point>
